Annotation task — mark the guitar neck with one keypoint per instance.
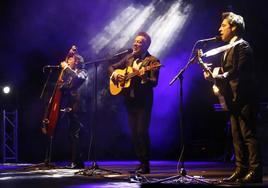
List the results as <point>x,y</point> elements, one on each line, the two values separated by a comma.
<point>133,74</point>
<point>204,66</point>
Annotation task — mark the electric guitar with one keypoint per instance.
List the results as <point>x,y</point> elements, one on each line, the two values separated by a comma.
<point>216,88</point>
<point>128,73</point>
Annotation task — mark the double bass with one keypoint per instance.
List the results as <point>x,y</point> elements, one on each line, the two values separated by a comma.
<point>52,110</point>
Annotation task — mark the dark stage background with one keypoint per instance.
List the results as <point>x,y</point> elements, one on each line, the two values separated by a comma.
<point>39,33</point>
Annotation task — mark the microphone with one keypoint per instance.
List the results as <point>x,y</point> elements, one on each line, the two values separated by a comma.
<point>128,51</point>
<point>213,39</point>
<point>52,66</point>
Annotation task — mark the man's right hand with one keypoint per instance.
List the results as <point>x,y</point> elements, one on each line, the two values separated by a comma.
<point>63,65</point>
<point>208,76</point>
<point>116,77</point>
<point>120,78</point>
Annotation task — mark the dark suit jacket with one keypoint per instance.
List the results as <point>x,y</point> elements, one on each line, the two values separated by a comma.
<point>139,92</point>
<point>239,84</point>
<point>70,89</point>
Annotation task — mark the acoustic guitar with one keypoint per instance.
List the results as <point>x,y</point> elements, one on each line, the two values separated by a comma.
<point>216,88</point>
<point>128,73</point>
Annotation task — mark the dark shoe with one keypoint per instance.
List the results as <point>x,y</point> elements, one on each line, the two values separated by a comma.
<point>237,175</point>
<point>76,165</point>
<point>252,176</point>
<point>143,169</point>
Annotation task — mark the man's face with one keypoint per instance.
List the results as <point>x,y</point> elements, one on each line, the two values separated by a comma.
<point>71,62</point>
<point>226,31</point>
<point>140,45</point>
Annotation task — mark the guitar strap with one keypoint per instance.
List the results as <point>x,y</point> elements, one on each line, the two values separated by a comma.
<point>220,49</point>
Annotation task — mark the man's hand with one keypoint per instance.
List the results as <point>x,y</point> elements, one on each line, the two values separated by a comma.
<point>208,76</point>
<point>44,130</point>
<point>120,78</point>
<point>63,65</point>
<point>142,71</point>
<point>116,77</point>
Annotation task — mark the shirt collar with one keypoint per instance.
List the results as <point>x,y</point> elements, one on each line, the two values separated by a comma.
<point>233,39</point>
<point>142,56</point>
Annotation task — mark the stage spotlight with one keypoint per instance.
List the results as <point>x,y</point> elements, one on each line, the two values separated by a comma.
<point>8,97</point>
<point>6,90</point>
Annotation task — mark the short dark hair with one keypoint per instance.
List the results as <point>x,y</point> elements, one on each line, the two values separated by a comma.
<point>235,20</point>
<point>78,58</point>
<point>145,35</point>
<point>80,61</point>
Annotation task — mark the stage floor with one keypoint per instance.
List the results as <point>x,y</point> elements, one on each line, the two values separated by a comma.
<point>117,174</point>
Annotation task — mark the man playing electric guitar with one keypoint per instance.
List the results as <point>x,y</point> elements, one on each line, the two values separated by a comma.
<point>139,95</point>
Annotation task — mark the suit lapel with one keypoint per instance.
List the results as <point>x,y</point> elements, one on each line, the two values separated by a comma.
<point>229,56</point>
<point>227,61</point>
<point>130,62</point>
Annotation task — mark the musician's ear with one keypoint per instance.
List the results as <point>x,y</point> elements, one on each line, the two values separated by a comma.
<point>233,28</point>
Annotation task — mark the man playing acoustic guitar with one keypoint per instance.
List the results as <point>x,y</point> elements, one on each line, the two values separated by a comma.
<point>138,94</point>
<point>240,93</point>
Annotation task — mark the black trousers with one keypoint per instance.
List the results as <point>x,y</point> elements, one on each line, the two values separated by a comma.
<point>74,135</point>
<point>246,147</point>
<point>139,117</point>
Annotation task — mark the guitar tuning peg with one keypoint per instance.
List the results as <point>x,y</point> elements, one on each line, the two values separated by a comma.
<point>199,52</point>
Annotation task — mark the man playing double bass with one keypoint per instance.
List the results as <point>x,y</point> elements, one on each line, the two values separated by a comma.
<point>71,78</point>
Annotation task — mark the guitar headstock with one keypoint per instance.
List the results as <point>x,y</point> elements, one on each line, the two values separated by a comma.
<point>199,54</point>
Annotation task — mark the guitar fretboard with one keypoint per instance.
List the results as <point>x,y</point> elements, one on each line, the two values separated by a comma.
<point>131,75</point>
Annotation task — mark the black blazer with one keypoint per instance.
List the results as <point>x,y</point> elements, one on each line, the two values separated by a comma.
<point>239,87</point>
<point>72,81</point>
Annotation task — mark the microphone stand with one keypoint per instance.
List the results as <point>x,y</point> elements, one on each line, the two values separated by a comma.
<point>45,84</point>
<point>95,169</point>
<point>182,173</point>
<point>179,76</point>
<point>47,161</point>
